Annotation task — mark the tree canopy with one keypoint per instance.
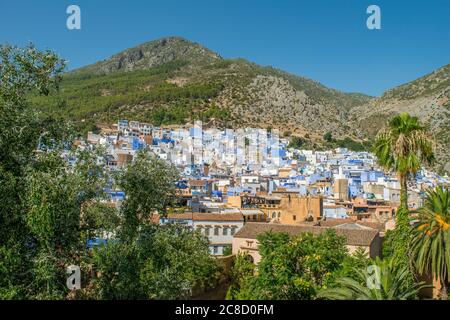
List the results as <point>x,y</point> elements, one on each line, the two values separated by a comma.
<point>291,268</point>
<point>50,209</point>
<point>431,237</point>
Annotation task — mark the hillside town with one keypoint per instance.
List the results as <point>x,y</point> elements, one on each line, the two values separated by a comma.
<point>238,184</point>
<point>218,161</point>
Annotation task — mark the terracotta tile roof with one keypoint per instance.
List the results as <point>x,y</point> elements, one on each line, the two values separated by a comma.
<point>195,216</point>
<point>252,229</point>
<point>180,216</point>
<point>336,223</point>
<point>218,217</point>
<point>251,211</point>
<point>354,237</point>
<point>197,183</point>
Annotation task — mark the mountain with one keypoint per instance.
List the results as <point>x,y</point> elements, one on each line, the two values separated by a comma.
<point>175,81</point>
<point>427,98</point>
<point>152,54</point>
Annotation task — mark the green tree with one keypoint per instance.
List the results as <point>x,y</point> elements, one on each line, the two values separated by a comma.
<point>176,261</point>
<point>54,208</point>
<point>92,172</point>
<point>49,208</point>
<point>149,184</point>
<point>357,260</point>
<point>352,144</point>
<point>242,271</point>
<point>431,241</point>
<point>22,71</point>
<point>116,275</point>
<point>22,129</point>
<point>293,268</point>
<point>328,137</point>
<point>144,260</point>
<point>227,250</point>
<point>163,262</point>
<point>296,142</point>
<point>55,198</point>
<point>403,147</point>
<point>390,282</point>
<point>99,219</point>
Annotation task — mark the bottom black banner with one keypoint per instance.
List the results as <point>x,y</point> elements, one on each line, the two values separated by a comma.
<point>220,309</point>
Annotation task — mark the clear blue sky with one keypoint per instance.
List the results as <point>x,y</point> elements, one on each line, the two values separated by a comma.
<point>326,40</point>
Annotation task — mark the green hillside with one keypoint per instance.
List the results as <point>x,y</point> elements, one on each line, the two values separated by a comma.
<point>175,81</point>
<point>143,84</point>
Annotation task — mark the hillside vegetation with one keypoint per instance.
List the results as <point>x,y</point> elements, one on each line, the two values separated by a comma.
<point>175,81</point>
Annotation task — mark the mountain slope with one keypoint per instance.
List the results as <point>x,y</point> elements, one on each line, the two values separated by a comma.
<point>152,54</point>
<point>175,81</point>
<point>435,83</point>
<point>428,98</point>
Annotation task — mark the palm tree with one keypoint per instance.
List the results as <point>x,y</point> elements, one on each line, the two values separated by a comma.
<point>392,283</point>
<point>403,147</point>
<point>431,244</point>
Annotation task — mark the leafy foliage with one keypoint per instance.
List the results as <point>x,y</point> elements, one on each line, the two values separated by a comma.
<point>164,262</point>
<point>49,209</point>
<point>292,268</point>
<point>353,145</point>
<point>389,283</point>
<point>328,136</point>
<point>241,273</point>
<point>21,129</point>
<point>149,183</point>
<point>431,241</point>
<point>357,260</point>
<point>296,142</point>
<point>54,208</point>
<point>404,146</point>
<point>227,250</point>
<point>117,268</point>
<point>177,260</point>
<point>103,96</point>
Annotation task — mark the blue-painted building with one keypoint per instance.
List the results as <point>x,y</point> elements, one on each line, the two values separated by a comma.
<point>355,190</point>
<point>371,176</point>
<point>138,144</point>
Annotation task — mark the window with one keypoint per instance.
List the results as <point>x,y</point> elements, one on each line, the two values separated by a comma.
<point>225,231</point>
<point>215,249</point>
<point>216,231</point>
<point>233,230</point>
<point>294,217</point>
<point>199,229</point>
<point>207,231</point>
<point>274,215</point>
